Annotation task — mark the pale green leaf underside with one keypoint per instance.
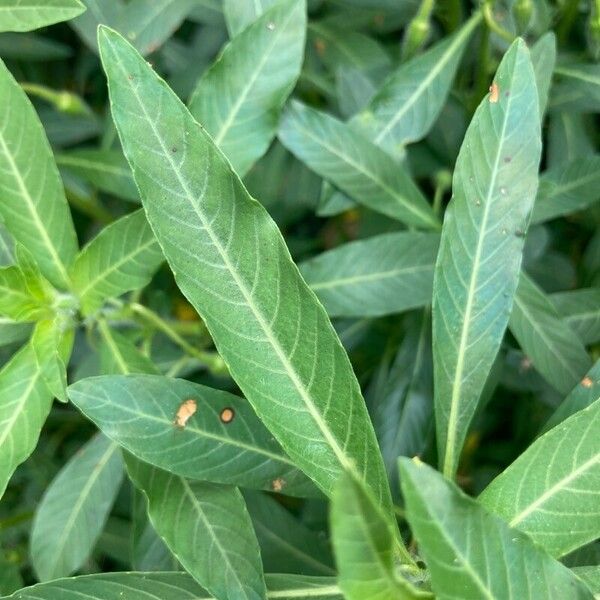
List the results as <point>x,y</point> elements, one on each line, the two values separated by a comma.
<point>123,257</point>
<point>239,99</point>
<point>74,508</point>
<point>354,164</point>
<point>591,577</point>
<point>26,15</point>
<point>231,262</point>
<point>106,169</point>
<point>33,208</point>
<point>208,529</point>
<point>364,542</point>
<point>543,59</point>
<point>565,189</point>
<point>478,264</point>
<point>580,310</point>
<point>410,100</point>
<point>139,412</point>
<point>382,275</point>
<point>473,555</point>
<point>239,15</point>
<point>552,491</point>
<point>169,586</point>
<point>554,349</point>
<point>25,405</point>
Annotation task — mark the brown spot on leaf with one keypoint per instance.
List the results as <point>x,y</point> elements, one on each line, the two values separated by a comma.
<point>185,411</point>
<point>587,382</point>
<point>227,415</point>
<point>277,484</point>
<point>320,46</point>
<point>494,92</point>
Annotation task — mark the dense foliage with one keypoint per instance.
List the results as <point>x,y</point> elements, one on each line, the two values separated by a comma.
<point>299,299</point>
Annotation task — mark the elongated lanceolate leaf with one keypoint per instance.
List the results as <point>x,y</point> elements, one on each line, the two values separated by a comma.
<point>473,555</point>
<point>565,189</point>
<point>478,264</point>
<point>239,100</point>
<point>354,164</point>
<point>382,275</point>
<point>26,15</point>
<point>543,59</point>
<point>106,169</point>
<point>364,540</point>
<point>577,88</point>
<point>554,349</point>
<point>123,257</point>
<point>409,102</point>
<point>232,263</point>
<point>591,577</point>
<point>580,310</point>
<point>25,405</point>
<point>582,395</point>
<point>551,491</point>
<point>239,15</point>
<point>169,586</point>
<point>236,449</point>
<point>33,208</point>
<point>208,529</point>
<point>18,299</point>
<point>74,508</point>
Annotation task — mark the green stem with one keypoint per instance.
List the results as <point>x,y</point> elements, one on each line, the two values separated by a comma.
<point>488,15</point>
<point>210,359</point>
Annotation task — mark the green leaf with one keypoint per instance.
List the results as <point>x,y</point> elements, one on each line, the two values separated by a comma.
<point>227,562</point>
<point>134,409</point>
<point>33,208</point>
<point>19,300</point>
<point>105,169</point>
<point>7,247</point>
<point>146,23</point>
<point>286,544</point>
<point>12,331</point>
<point>10,577</point>
<point>25,15</point>
<point>169,586</point>
<point>74,508</point>
<point>407,105</point>
<point>356,166</point>
<point>580,310</point>
<point>478,264</point>
<point>238,15</point>
<point>382,275</point>
<point>364,540</point>
<point>553,348</point>
<point>543,59</point>
<point>582,395</point>
<point>591,577</point>
<point>551,491</point>
<point>568,188</point>
<point>473,555</point>
<point>577,88</point>
<point>26,402</point>
<point>239,99</point>
<point>231,262</point>
<point>123,257</point>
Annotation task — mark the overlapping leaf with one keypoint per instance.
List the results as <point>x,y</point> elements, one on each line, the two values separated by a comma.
<point>123,257</point>
<point>553,348</point>
<point>169,586</point>
<point>354,164</point>
<point>239,15</point>
<point>208,529</point>
<point>140,413</point>
<point>33,208</point>
<point>74,508</point>
<point>25,15</point>
<point>25,405</point>
<point>478,264</point>
<point>473,555</point>
<point>580,310</point>
<point>382,275</point>
<point>232,264</point>
<point>551,491</point>
<point>239,100</point>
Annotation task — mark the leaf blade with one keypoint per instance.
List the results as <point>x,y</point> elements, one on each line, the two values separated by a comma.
<point>26,15</point>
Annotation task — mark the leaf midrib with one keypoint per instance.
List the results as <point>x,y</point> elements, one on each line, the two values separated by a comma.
<point>465,330</point>
<point>289,368</point>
